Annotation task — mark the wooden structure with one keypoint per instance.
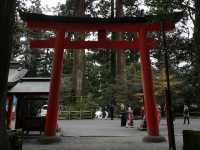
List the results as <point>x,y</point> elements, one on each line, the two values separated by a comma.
<point>62,25</point>
<point>30,92</point>
<point>15,74</point>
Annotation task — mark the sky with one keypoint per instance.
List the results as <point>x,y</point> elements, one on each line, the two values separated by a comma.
<point>52,3</point>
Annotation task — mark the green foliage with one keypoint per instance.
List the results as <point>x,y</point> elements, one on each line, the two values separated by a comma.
<point>67,8</point>
<point>101,87</point>
<point>16,139</point>
<point>180,52</point>
<point>163,6</point>
<point>131,7</point>
<point>37,61</point>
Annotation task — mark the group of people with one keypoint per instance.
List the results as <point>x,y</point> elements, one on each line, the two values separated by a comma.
<point>105,113</point>
<point>99,114</point>
<point>127,116</point>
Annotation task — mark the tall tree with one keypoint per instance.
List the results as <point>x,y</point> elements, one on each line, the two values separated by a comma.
<point>120,73</point>
<point>33,55</point>
<point>120,58</point>
<point>192,14</point>
<point>196,44</point>
<point>7,10</point>
<point>37,61</point>
<point>79,55</point>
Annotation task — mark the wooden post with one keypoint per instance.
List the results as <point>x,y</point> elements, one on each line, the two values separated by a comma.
<point>9,112</point>
<point>53,102</point>
<point>150,107</point>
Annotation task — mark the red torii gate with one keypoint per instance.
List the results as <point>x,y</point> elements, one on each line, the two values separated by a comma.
<point>61,24</point>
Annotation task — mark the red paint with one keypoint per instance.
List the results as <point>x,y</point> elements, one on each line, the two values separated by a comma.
<point>94,27</point>
<point>150,107</point>
<point>53,102</point>
<point>49,43</point>
<point>102,35</point>
<point>9,112</point>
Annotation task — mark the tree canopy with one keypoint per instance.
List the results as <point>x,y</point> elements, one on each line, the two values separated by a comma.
<point>100,80</point>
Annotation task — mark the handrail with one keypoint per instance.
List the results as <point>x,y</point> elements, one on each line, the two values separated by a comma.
<point>79,115</point>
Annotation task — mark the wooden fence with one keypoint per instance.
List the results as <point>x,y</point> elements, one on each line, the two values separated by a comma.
<point>75,115</point>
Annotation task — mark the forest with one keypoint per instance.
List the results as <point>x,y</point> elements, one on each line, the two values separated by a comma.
<point>106,76</point>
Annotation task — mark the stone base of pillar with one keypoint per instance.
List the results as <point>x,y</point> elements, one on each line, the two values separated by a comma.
<point>49,139</point>
<point>154,139</point>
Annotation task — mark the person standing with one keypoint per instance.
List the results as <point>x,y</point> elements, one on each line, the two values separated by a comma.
<point>105,113</point>
<point>143,125</point>
<point>111,111</point>
<point>123,114</point>
<point>142,112</point>
<point>186,114</point>
<point>158,109</point>
<point>130,116</point>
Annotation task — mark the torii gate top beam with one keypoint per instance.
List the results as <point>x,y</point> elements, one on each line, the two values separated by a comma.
<point>100,25</point>
<point>88,24</point>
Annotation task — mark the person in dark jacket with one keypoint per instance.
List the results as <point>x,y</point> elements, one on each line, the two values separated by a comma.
<point>111,111</point>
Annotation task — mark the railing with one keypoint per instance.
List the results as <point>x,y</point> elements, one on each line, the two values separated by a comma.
<point>75,115</point>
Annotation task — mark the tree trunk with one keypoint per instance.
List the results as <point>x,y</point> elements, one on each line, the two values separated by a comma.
<point>6,27</point>
<point>119,54</point>
<point>79,55</point>
<point>120,89</point>
<point>196,38</point>
<point>112,55</point>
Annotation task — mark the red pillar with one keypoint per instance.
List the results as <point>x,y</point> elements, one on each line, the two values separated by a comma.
<point>53,101</point>
<point>9,112</point>
<point>149,103</point>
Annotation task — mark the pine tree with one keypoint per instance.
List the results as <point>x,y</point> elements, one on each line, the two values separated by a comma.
<point>79,55</point>
<point>196,44</point>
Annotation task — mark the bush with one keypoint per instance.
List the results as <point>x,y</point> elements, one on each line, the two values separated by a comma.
<point>16,139</point>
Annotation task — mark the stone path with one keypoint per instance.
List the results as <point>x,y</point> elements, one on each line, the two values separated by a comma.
<point>107,135</point>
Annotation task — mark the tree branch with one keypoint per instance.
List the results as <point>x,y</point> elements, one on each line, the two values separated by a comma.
<point>188,7</point>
